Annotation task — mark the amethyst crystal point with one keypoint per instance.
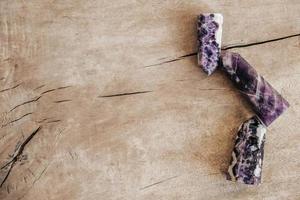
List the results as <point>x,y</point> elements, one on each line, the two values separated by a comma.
<point>266,101</point>
<point>248,152</point>
<point>209,27</point>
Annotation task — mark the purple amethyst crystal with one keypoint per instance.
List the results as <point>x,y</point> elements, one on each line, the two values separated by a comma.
<point>209,27</point>
<point>248,152</point>
<point>266,101</point>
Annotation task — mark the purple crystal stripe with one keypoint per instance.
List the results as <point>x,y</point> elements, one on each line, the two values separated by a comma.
<point>208,46</point>
<point>266,101</point>
<point>248,153</point>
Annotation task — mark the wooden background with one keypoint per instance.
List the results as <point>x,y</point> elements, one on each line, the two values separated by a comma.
<point>104,100</point>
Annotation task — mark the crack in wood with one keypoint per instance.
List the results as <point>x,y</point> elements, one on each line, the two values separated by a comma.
<point>26,102</point>
<point>41,174</point>
<point>214,89</point>
<point>41,95</point>
<point>124,94</point>
<point>18,152</point>
<point>4,90</point>
<point>62,101</point>
<point>54,121</point>
<point>159,182</point>
<point>260,42</point>
<point>42,120</point>
<point>35,180</point>
<point>48,122</point>
<point>226,48</point>
<point>17,119</point>
<point>37,98</point>
<point>39,87</point>
<point>173,60</point>
<point>51,90</point>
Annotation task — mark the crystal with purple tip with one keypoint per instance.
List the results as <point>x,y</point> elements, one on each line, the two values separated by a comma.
<point>248,152</point>
<point>266,101</point>
<point>209,27</point>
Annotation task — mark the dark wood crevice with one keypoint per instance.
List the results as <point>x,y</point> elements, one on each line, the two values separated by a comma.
<point>18,152</point>
<point>227,47</point>
<point>124,94</point>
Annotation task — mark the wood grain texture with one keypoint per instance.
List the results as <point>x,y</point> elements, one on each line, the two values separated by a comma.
<point>104,99</point>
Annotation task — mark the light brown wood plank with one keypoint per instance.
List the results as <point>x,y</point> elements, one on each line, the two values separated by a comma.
<point>118,120</point>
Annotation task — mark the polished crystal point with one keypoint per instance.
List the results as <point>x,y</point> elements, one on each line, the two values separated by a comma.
<point>266,101</point>
<point>209,27</point>
<point>248,152</point>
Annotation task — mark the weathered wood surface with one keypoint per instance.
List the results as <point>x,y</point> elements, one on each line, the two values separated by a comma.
<point>99,101</point>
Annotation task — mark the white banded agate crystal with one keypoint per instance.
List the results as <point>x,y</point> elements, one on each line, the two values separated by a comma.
<point>267,103</point>
<point>248,152</point>
<point>209,28</point>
